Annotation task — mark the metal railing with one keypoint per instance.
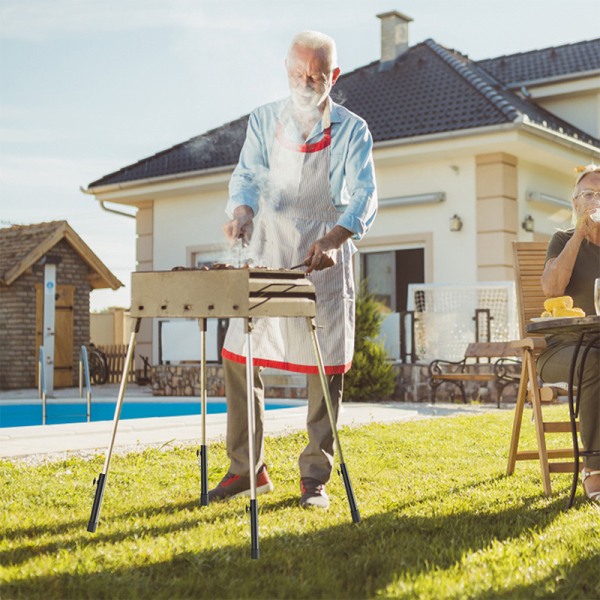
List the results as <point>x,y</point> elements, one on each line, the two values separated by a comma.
<point>84,370</point>
<point>42,382</point>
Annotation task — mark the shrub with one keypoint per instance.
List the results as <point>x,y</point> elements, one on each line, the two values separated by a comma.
<point>372,375</point>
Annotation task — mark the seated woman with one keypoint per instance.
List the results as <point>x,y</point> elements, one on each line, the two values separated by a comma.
<point>572,265</point>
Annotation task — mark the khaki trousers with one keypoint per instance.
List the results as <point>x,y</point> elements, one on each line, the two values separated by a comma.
<point>316,460</point>
<point>553,366</point>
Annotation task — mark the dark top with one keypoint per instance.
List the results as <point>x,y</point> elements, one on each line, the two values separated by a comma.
<point>581,284</point>
<point>585,270</point>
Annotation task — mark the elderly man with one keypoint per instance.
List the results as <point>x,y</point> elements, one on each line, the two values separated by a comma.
<point>304,187</point>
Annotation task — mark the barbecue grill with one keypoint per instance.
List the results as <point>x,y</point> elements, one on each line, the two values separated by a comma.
<point>223,293</point>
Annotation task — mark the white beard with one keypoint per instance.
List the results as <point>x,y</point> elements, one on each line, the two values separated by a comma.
<point>306,100</point>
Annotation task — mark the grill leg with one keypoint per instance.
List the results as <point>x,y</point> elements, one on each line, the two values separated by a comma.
<point>203,448</point>
<point>101,481</point>
<point>343,470</point>
<point>253,508</point>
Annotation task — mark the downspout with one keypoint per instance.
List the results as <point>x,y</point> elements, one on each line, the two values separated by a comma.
<point>103,207</point>
<point>114,210</point>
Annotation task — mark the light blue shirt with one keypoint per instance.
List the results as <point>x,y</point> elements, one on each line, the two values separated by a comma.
<point>351,170</point>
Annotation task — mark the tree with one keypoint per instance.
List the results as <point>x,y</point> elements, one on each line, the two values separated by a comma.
<point>372,375</point>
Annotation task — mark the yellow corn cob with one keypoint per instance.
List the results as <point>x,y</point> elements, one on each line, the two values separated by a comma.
<point>546,314</point>
<point>560,311</point>
<point>559,302</point>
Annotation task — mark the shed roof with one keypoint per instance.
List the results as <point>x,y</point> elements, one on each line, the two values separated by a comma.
<point>428,89</point>
<point>21,246</point>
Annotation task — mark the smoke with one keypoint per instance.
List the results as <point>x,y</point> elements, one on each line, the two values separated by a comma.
<point>281,180</point>
<point>222,145</point>
<point>238,254</point>
<point>339,96</point>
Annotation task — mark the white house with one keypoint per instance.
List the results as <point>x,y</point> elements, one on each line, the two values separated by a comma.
<point>469,156</point>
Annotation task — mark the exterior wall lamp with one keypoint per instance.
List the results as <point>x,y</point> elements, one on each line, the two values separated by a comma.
<point>455,223</point>
<point>528,223</point>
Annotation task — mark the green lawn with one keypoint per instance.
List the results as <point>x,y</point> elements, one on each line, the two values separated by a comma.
<point>439,520</point>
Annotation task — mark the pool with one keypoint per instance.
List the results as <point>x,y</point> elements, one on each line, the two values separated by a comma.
<point>19,414</point>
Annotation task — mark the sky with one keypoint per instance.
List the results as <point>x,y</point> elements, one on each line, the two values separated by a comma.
<point>90,86</point>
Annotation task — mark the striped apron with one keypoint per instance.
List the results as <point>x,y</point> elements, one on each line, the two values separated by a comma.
<point>295,212</point>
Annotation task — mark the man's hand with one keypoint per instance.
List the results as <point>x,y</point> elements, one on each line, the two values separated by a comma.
<point>323,253</point>
<point>241,226</point>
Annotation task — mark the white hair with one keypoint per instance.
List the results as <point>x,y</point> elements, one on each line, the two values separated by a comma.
<point>317,41</point>
<point>581,173</point>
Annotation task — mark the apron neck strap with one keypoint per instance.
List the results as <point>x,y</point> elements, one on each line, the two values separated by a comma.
<point>323,143</point>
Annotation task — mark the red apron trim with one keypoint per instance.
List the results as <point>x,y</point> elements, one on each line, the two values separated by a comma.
<point>274,364</point>
<point>323,143</point>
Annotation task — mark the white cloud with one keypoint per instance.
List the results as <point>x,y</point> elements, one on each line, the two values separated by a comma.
<point>52,172</point>
<point>13,112</point>
<point>37,20</point>
<point>29,136</point>
<point>42,19</point>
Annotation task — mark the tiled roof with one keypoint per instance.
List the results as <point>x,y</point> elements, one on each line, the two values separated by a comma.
<point>216,148</point>
<point>18,241</point>
<point>21,246</point>
<point>543,64</point>
<point>429,89</point>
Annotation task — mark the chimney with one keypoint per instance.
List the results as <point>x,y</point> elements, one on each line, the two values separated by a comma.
<point>394,36</point>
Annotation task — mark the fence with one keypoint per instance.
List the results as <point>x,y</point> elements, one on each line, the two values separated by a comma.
<point>444,323</point>
<point>115,361</point>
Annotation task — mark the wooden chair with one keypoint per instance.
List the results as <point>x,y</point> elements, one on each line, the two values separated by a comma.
<point>529,258</point>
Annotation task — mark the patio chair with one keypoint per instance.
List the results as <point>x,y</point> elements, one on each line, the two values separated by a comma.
<point>529,258</point>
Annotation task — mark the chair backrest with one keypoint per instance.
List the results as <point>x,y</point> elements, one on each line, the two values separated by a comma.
<point>529,259</point>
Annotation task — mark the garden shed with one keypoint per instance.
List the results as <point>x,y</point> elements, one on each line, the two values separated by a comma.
<point>46,275</point>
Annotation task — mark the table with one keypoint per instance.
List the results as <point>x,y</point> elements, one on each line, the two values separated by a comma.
<point>587,330</point>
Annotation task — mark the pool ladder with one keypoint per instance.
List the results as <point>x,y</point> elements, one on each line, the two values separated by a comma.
<point>84,371</point>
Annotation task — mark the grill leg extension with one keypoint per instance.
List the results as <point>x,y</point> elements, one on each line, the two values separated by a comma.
<point>203,464</point>
<point>101,481</point>
<point>203,448</point>
<point>350,493</point>
<point>343,470</point>
<point>253,509</point>
<point>99,495</point>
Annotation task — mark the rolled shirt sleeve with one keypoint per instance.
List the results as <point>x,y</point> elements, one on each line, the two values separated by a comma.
<point>357,196</point>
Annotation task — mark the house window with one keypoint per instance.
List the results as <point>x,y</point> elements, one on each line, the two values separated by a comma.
<point>388,275</point>
<point>378,269</point>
